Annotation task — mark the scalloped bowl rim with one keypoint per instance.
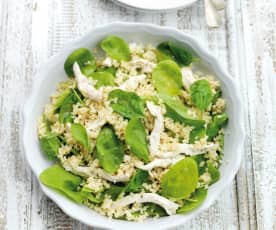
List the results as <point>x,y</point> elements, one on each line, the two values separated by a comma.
<point>79,211</point>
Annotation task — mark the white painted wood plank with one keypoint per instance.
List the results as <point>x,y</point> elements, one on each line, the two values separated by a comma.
<point>15,65</point>
<point>259,43</point>
<point>245,181</point>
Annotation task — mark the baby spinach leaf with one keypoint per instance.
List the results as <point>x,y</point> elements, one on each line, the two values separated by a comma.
<point>154,210</point>
<point>180,180</point>
<point>216,96</point>
<point>199,159</point>
<point>135,183</point>
<point>47,124</point>
<point>196,200</point>
<point>103,79</point>
<point>136,139</point>
<point>66,106</point>
<point>61,98</point>
<point>216,124</point>
<point>214,172</point>
<point>110,150</point>
<point>196,134</point>
<point>91,196</point>
<point>65,183</point>
<point>176,52</point>
<point>127,104</point>
<point>50,145</point>
<point>116,48</point>
<point>176,110</point>
<point>114,191</point>
<point>161,56</point>
<point>84,58</point>
<point>111,70</point>
<point>167,78</point>
<point>80,135</point>
<point>154,99</point>
<point>201,94</point>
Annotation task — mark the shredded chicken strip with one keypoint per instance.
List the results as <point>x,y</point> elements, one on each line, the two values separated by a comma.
<point>158,163</point>
<point>169,206</point>
<point>188,149</point>
<point>158,127</point>
<point>86,171</point>
<point>84,86</point>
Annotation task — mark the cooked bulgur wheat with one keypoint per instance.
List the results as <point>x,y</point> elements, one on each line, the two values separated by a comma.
<point>94,115</point>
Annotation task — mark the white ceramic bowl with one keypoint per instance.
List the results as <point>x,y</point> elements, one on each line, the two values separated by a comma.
<point>155,6</point>
<point>52,72</point>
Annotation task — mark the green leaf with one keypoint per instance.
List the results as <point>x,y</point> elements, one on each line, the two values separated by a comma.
<point>84,58</point>
<point>114,191</point>
<point>200,158</point>
<point>196,200</point>
<point>61,98</point>
<point>196,134</point>
<point>66,107</point>
<point>103,79</point>
<point>180,180</point>
<point>214,172</point>
<point>127,104</point>
<point>110,150</point>
<point>80,135</point>
<point>154,99</point>
<point>116,48</point>
<point>161,56</point>
<point>135,183</point>
<point>47,124</point>
<point>65,183</point>
<point>216,96</point>
<point>154,210</point>
<point>50,145</point>
<point>176,110</point>
<point>176,52</point>
<point>216,124</point>
<point>167,78</point>
<point>201,94</point>
<point>136,139</point>
<point>111,70</point>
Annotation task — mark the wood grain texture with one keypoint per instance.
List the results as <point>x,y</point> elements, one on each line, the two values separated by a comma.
<point>33,30</point>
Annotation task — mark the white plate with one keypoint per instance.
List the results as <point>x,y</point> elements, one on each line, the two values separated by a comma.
<point>52,72</point>
<point>156,5</point>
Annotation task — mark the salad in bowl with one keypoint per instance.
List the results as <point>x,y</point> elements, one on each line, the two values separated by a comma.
<point>134,131</point>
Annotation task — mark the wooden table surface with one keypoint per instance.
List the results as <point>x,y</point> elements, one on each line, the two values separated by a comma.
<point>33,30</point>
